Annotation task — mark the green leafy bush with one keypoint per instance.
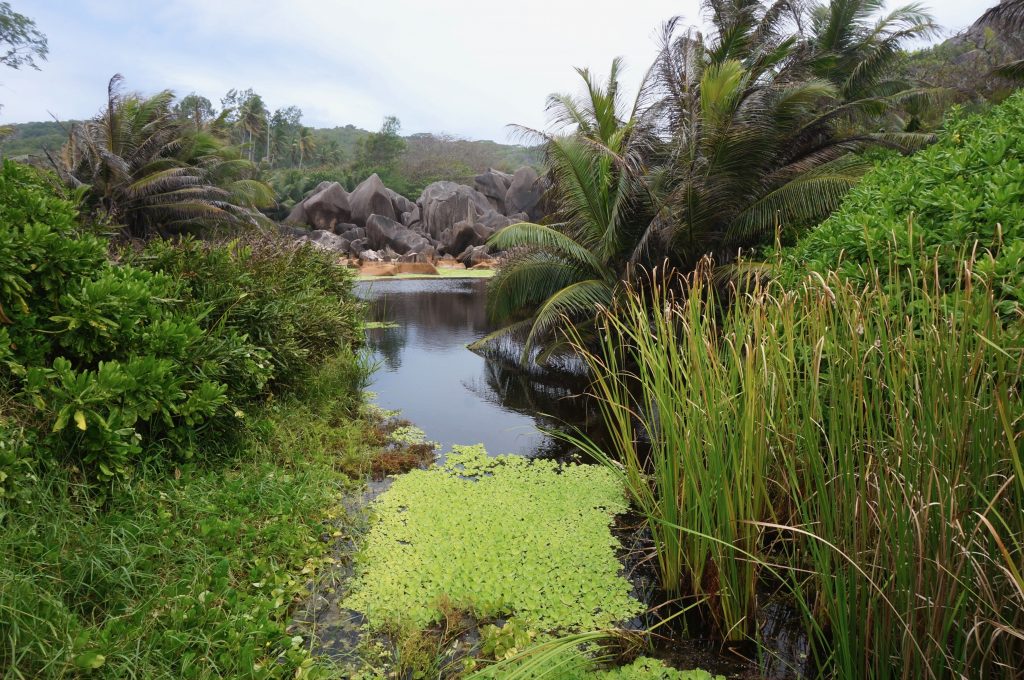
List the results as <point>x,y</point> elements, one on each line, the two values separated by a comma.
<point>963,192</point>
<point>101,354</point>
<point>112,362</point>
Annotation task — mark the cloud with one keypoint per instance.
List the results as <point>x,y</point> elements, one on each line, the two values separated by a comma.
<point>456,66</point>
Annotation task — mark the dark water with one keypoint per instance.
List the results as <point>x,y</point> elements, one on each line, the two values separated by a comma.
<point>453,394</point>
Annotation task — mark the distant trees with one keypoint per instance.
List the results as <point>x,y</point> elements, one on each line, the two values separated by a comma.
<point>195,108</point>
<point>379,151</point>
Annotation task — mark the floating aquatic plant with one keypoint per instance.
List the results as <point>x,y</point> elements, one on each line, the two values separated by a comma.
<point>495,536</point>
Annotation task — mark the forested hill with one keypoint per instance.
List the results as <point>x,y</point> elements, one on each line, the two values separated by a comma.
<point>30,139</point>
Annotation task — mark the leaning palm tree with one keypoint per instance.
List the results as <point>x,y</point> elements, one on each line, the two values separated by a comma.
<point>758,141</point>
<point>568,268</point>
<point>144,169</point>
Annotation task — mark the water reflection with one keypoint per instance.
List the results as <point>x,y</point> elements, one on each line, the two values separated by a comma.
<point>456,396</point>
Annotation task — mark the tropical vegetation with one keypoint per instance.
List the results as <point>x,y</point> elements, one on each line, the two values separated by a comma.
<point>748,133</point>
<point>793,278</point>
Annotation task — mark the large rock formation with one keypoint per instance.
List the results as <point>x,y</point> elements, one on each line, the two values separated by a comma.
<point>382,232</point>
<point>442,204</point>
<point>328,207</point>
<point>376,223</point>
<point>525,192</point>
<point>494,185</point>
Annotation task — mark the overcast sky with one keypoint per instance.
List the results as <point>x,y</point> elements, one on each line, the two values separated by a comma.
<point>457,66</point>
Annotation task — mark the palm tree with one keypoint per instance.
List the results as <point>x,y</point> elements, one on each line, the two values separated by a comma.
<point>763,123</point>
<point>568,268</point>
<point>732,137</point>
<point>252,118</point>
<point>305,144</point>
<point>147,169</point>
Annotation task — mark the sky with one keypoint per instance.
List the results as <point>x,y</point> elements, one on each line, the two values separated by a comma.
<point>461,67</point>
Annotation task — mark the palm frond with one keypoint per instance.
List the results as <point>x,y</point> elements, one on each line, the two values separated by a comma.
<point>579,299</point>
<point>526,234</point>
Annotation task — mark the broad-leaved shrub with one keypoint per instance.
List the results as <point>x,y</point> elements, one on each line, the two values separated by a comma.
<point>963,194</point>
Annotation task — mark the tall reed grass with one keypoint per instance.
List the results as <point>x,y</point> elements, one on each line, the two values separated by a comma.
<point>857,447</point>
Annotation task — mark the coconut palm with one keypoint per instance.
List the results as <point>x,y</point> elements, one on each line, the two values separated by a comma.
<point>305,144</point>
<point>151,172</point>
<point>252,119</point>
<point>567,268</point>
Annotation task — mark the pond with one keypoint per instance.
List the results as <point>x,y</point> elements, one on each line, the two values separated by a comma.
<point>453,394</point>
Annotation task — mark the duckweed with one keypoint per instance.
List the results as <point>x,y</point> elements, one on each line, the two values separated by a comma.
<point>495,536</point>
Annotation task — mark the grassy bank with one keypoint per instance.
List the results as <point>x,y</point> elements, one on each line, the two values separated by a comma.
<point>175,422</point>
<point>183,572</point>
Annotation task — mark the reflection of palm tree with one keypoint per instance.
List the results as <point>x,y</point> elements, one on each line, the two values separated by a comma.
<point>555,401</point>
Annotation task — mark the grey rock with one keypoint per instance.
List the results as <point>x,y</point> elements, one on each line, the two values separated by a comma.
<point>353,232</point>
<point>442,204</point>
<point>400,202</point>
<point>371,197</point>
<point>382,232</point>
<point>343,228</point>
<point>357,246</point>
<point>495,221</point>
<point>474,255</point>
<point>297,215</point>
<point>466,234</point>
<point>411,218</point>
<point>525,193</point>
<point>328,240</point>
<point>327,207</point>
<point>494,185</point>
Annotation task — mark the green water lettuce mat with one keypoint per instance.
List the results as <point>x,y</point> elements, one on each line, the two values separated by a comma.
<point>495,536</point>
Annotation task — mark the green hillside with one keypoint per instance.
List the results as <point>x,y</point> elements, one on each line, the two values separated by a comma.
<point>31,139</point>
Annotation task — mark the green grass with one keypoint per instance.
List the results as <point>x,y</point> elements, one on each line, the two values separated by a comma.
<point>857,447</point>
<point>188,572</point>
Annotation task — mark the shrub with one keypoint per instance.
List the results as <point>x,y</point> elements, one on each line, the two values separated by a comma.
<point>110,362</point>
<point>964,192</point>
<point>101,354</point>
<point>291,299</point>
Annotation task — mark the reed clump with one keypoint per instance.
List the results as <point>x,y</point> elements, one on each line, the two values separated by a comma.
<point>854,445</point>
